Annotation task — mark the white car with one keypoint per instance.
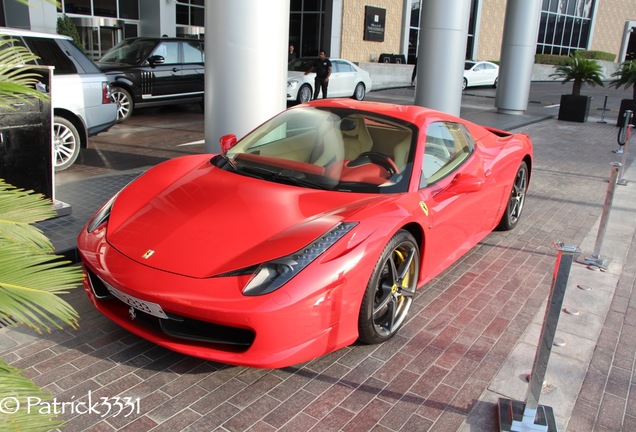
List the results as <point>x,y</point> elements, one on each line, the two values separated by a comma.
<point>346,80</point>
<point>80,93</point>
<point>481,73</point>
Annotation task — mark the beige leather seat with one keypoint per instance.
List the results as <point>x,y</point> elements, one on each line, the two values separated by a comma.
<point>355,137</point>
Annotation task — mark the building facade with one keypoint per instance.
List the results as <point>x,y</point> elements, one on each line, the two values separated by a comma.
<point>358,30</point>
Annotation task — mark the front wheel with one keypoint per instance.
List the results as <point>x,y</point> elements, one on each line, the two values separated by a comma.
<point>124,103</point>
<point>360,92</point>
<point>304,94</point>
<point>66,143</point>
<point>391,290</point>
<point>517,199</point>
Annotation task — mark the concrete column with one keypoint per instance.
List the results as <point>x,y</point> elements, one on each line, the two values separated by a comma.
<point>518,47</point>
<point>442,51</point>
<point>245,65</point>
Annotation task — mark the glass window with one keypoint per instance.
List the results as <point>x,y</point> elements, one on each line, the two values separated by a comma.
<point>169,51</point>
<point>183,15</point>
<point>82,7</point>
<point>106,8</point>
<point>197,16</point>
<point>193,52</point>
<point>51,54</point>
<point>564,26</point>
<point>129,9</point>
<point>448,145</point>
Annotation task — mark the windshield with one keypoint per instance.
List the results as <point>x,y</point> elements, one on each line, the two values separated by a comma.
<point>302,64</point>
<point>328,148</point>
<point>129,52</point>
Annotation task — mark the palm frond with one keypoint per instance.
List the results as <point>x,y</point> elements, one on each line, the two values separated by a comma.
<point>17,77</point>
<point>19,209</point>
<point>15,390</point>
<point>30,285</point>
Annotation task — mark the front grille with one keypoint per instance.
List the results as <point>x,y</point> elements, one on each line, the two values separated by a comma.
<point>219,336</point>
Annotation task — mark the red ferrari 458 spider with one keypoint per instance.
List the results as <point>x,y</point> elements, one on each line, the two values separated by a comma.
<point>313,231</point>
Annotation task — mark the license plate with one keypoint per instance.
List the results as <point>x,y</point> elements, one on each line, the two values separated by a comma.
<point>145,306</point>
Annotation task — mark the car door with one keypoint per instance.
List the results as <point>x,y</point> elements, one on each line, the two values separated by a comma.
<point>334,89</point>
<point>162,79</point>
<point>455,193</point>
<point>193,67</point>
<point>346,78</point>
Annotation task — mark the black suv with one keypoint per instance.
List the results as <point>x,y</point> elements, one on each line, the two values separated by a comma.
<point>148,72</point>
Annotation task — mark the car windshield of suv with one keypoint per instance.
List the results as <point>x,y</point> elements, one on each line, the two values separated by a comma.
<point>327,148</point>
<point>129,52</point>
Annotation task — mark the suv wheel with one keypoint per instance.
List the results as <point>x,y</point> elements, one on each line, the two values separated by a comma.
<point>124,103</point>
<point>66,143</point>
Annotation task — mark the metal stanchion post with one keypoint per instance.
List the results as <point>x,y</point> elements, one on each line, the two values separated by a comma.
<point>602,120</point>
<point>595,258</point>
<point>628,133</point>
<point>530,416</point>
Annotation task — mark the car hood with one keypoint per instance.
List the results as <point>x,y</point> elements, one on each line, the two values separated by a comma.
<point>208,221</point>
<point>295,74</point>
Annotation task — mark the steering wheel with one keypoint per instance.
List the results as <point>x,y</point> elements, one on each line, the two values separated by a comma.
<point>377,158</point>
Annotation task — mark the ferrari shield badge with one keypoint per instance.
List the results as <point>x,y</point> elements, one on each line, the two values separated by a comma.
<point>424,207</point>
<point>148,254</point>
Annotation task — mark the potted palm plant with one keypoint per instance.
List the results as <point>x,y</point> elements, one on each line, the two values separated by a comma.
<point>625,76</point>
<point>579,70</point>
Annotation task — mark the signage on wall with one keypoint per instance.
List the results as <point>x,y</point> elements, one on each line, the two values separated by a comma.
<point>374,23</point>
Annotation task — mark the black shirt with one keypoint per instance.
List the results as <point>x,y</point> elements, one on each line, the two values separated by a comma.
<point>321,67</point>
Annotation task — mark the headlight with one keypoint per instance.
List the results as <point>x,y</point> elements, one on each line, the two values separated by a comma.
<point>292,84</point>
<point>101,216</point>
<point>274,274</point>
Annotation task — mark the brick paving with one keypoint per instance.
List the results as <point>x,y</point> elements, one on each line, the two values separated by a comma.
<point>430,376</point>
<point>607,400</point>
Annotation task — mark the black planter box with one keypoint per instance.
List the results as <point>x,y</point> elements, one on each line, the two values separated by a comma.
<point>574,108</point>
<point>626,104</point>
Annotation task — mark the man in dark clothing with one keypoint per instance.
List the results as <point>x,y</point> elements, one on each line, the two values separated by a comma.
<point>291,56</point>
<point>322,67</point>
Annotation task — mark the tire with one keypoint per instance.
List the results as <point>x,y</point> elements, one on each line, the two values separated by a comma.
<point>360,92</point>
<point>124,103</point>
<point>496,83</point>
<point>66,143</point>
<point>304,93</point>
<point>464,84</point>
<point>390,291</point>
<point>516,201</point>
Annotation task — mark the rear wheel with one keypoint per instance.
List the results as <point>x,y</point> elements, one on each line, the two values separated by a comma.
<point>360,92</point>
<point>304,94</point>
<point>390,291</point>
<point>124,103</point>
<point>517,199</point>
<point>464,84</point>
<point>66,143</point>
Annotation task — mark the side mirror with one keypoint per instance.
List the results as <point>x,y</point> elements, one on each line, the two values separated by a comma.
<point>463,183</point>
<point>227,142</point>
<point>156,59</point>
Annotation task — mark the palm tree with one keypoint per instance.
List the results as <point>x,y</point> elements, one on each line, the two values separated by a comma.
<point>580,71</point>
<point>31,276</point>
<point>625,76</point>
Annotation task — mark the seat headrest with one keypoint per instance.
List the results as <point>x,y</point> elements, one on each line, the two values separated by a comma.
<point>347,124</point>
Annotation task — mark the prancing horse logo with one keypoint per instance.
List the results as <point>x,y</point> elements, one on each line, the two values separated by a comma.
<point>132,313</point>
<point>148,254</point>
